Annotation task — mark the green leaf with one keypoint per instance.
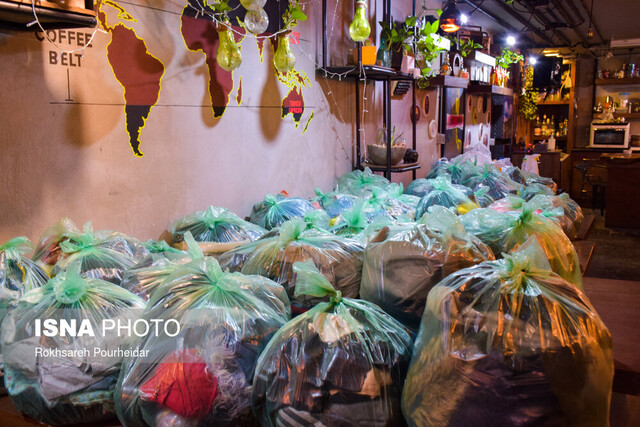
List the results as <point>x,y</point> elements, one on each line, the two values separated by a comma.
<point>298,15</point>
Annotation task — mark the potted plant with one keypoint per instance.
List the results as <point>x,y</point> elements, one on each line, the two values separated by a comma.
<point>506,58</point>
<point>429,46</point>
<point>397,39</point>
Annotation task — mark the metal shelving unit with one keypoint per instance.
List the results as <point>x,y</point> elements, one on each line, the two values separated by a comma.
<point>373,73</point>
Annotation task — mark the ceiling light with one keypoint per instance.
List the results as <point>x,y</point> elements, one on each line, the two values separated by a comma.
<point>533,60</point>
<point>625,42</point>
<point>464,18</point>
<point>511,40</point>
<point>450,19</point>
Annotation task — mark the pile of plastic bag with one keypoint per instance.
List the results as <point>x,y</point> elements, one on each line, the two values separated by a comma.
<point>342,363</point>
<point>444,193</point>
<point>402,263</point>
<point>504,232</point>
<point>202,375</point>
<point>216,224</point>
<point>338,258</point>
<point>72,384</point>
<point>508,342</point>
<point>274,210</point>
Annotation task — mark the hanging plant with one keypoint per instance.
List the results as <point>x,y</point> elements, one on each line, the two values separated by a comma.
<point>528,107</point>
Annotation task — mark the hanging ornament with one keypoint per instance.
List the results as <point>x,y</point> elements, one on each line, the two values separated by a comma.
<point>360,29</point>
<point>228,56</point>
<point>253,4</point>
<point>256,21</point>
<point>283,59</point>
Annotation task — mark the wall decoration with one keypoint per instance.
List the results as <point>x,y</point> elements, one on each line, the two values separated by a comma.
<point>453,121</point>
<point>432,129</point>
<point>136,69</point>
<point>425,105</point>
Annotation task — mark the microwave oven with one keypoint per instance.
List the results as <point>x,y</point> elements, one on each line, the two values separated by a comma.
<point>609,135</point>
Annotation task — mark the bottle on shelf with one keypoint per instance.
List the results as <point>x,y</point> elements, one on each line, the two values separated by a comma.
<point>552,126</point>
<point>544,125</point>
<point>537,130</point>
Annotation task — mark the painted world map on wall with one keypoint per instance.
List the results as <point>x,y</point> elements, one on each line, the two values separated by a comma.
<point>140,72</point>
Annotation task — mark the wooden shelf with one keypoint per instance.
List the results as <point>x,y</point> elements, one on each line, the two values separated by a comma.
<point>370,72</point>
<point>542,138</point>
<point>617,82</point>
<point>402,167</point>
<point>554,103</point>
<point>16,14</point>
<point>449,81</point>
<point>634,116</point>
<point>490,89</point>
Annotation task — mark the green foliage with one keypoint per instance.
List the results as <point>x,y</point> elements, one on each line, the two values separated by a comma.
<point>398,35</point>
<point>468,46</point>
<point>508,57</point>
<point>528,107</point>
<point>293,14</point>
<point>220,8</point>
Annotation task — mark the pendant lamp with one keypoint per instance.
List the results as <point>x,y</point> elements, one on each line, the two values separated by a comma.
<point>450,19</point>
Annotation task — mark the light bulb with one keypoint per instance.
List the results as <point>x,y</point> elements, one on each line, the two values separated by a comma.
<point>511,40</point>
<point>360,29</point>
<point>256,21</point>
<point>228,56</point>
<point>283,59</point>
<point>464,18</point>
<point>253,4</point>
<point>590,33</point>
<point>532,60</point>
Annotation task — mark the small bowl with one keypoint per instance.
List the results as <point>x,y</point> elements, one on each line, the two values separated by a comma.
<point>377,154</point>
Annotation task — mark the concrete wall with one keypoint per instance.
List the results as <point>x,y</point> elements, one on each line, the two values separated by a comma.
<point>65,148</point>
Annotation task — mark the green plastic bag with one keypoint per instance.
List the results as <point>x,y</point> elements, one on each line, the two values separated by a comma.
<point>202,375</point>
<point>361,183</point>
<point>565,211</point>
<point>64,233</point>
<point>457,170</point>
<point>102,255</point>
<point>338,258</point>
<point>444,193</point>
<point>216,224</point>
<point>72,384</point>
<point>274,210</point>
<point>342,363</point>
<point>18,274</point>
<point>499,184</point>
<point>48,252</point>
<point>507,343</point>
<point>403,262</point>
<point>334,203</point>
<point>505,232</point>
